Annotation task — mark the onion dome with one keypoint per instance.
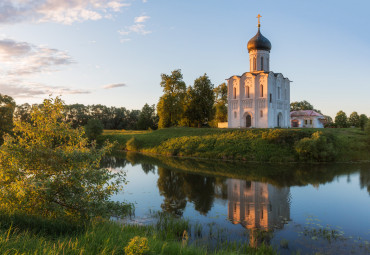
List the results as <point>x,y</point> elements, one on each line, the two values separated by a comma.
<point>259,42</point>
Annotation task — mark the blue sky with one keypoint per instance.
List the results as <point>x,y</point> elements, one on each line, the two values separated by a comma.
<point>112,52</point>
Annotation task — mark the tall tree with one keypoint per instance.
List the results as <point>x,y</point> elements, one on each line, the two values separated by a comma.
<point>200,105</point>
<point>302,105</point>
<point>221,103</point>
<point>170,105</point>
<point>341,119</point>
<point>147,118</point>
<point>7,107</point>
<point>354,119</point>
<point>363,120</point>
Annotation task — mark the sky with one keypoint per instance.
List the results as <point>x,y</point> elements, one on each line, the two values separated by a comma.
<point>113,52</point>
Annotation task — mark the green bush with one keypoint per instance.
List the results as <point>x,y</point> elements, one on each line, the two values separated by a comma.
<point>132,145</point>
<point>367,130</point>
<point>93,129</point>
<point>318,147</point>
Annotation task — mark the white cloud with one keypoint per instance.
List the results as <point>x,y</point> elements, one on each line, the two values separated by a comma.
<point>59,11</point>
<point>141,19</point>
<point>145,1</point>
<point>112,86</point>
<point>21,60</point>
<point>124,40</point>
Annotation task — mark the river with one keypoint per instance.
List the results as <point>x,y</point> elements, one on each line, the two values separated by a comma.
<point>308,208</point>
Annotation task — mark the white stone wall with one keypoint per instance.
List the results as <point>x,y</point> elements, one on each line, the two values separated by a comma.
<point>256,56</point>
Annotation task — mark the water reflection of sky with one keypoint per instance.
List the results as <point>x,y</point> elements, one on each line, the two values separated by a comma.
<point>340,203</point>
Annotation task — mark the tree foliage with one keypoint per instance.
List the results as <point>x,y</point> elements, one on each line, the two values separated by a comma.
<point>341,120</point>
<point>170,106</point>
<point>363,120</point>
<point>302,105</point>
<point>199,102</point>
<point>354,119</point>
<point>7,106</point>
<point>93,129</point>
<point>148,118</point>
<point>221,103</point>
<point>48,169</point>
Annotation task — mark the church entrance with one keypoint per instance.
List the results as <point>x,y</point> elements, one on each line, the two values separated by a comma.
<point>295,123</point>
<point>279,120</point>
<point>248,121</point>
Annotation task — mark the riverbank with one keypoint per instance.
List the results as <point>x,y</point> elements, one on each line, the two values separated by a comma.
<point>259,145</point>
<point>21,234</point>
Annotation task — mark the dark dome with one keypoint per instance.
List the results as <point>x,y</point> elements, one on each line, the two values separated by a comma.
<point>259,42</point>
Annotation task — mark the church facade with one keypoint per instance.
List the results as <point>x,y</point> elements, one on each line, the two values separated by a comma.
<point>259,98</point>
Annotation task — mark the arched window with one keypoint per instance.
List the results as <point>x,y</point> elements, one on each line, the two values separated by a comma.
<point>270,98</point>
<point>261,114</point>
<point>235,115</point>
<point>261,90</point>
<point>254,64</point>
<point>247,91</point>
<point>234,93</point>
<point>268,64</point>
<point>261,63</point>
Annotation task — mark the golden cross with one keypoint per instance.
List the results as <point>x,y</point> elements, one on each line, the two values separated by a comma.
<point>259,16</point>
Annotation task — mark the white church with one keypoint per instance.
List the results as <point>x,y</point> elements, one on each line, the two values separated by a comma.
<point>259,98</point>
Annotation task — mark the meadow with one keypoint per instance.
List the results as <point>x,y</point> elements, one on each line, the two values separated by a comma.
<point>258,145</point>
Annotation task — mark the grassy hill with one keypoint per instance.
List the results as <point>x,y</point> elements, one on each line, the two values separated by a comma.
<point>261,145</point>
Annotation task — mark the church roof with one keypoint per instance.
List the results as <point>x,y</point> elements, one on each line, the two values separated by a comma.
<point>259,42</point>
<point>258,73</point>
<point>305,113</point>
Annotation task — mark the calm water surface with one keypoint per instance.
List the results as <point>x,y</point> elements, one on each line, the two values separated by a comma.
<point>306,208</point>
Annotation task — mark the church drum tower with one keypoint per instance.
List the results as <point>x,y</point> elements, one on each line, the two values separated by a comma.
<point>259,98</point>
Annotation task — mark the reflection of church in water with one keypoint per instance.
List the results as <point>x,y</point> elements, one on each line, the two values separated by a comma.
<point>257,205</point>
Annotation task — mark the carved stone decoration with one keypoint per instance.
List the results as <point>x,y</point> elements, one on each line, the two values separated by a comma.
<point>248,81</point>
<point>235,83</point>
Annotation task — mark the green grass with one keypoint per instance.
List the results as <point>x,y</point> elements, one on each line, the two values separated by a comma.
<point>262,145</point>
<point>105,237</point>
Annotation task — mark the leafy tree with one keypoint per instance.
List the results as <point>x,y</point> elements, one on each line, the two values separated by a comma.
<point>147,118</point>
<point>7,107</point>
<point>23,112</point>
<point>93,129</point>
<point>48,169</point>
<point>221,103</point>
<point>363,120</point>
<point>302,105</point>
<point>354,119</point>
<point>341,120</point>
<point>200,105</point>
<point>170,105</point>
<point>367,130</point>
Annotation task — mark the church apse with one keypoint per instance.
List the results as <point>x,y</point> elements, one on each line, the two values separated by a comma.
<point>257,206</point>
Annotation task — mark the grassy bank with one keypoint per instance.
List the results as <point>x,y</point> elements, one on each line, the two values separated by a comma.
<point>262,145</point>
<point>33,235</point>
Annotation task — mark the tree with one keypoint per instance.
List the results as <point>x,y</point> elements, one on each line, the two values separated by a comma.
<point>354,119</point>
<point>170,105</point>
<point>23,112</point>
<point>367,130</point>
<point>7,106</point>
<point>221,103</point>
<point>302,105</point>
<point>363,120</point>
<point>147,118</point>
<point>200,103</point>
<point>341,120</point>
<point>47,169</point>
<point>93,129</point>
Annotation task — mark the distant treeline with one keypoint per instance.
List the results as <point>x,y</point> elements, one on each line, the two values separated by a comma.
<point>111,117</point>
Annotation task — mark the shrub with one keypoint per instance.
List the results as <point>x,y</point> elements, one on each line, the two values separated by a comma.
<point>132,145</point>
<point>367,130</point>
<point>137,246</point>
<point>93,129</point>
<point>318,147</point>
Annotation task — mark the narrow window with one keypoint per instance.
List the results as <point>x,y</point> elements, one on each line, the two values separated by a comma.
<point>270,98</point>
<point>261,114</point>
<point>254,64</point>
<point>310,122</point>
<point>305,122</point>
<point>278,92</point>
<point>235,115</point>
<point>247,91</point>
<point>268,64</point>
<point>261,91</point>
<point>234,93</point>
<point>261,63</point>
